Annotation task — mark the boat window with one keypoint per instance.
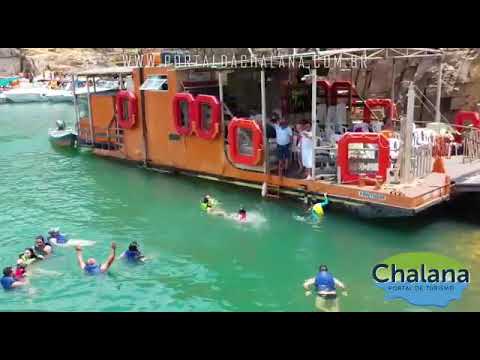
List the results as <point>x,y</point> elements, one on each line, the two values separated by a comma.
<point>82,105</point>
<point>244,141</point>
<point>155,83</point>
<point>206,117</point>
<point>363,158</point>
<point>184,113</point>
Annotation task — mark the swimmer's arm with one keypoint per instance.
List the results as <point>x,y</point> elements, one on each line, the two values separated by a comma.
<point>308,284</point>
<point>340,284</point>
<point>18,284</point>
<point>325,201</point>
<point>110,259</point>
<point>81,263</point>
<point>48,249</point>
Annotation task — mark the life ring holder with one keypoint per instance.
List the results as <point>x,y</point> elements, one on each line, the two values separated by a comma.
<point>257,141</point>
<point>185,130</point>
<point>123,121</point>
<point>214,104</point>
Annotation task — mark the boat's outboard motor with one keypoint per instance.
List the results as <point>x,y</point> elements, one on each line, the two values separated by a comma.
<point>61,125</point>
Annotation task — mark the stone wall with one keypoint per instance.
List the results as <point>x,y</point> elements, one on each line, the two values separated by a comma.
<point>10,61</point>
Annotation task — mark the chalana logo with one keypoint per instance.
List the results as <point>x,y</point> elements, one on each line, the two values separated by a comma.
<point>422,278</point>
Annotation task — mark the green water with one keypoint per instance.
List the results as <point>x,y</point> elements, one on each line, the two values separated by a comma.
<point>198,262</point>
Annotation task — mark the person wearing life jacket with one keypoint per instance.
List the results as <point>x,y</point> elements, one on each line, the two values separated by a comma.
<point>325,285</point>
<point>317,210</point>
<point>242,214</point>
<point>8,280</point>
<point>133,254</point>
<point>91,267</point>
<point>209,205</point>
<point>55,236</point>
<point>20,271</point>
<point>42,247</point>
<point>206,203</point>
<point>29,256</point>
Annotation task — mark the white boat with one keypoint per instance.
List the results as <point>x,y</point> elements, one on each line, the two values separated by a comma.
<point>62,136</point>
<point>66,94</point>
<point>25,95</point>
<point>59,95</point>
<point>3,99</point>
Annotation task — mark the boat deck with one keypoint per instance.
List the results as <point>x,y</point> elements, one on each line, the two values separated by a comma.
<point>465,173</point>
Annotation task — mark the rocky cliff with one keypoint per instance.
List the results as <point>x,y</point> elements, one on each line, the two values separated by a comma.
<point>461,74</point>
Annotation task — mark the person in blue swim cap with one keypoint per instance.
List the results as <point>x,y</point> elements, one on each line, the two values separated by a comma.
<point>133,254</point>
<point>91,267</point>
<point>325,285</point>
<point>8,280</point>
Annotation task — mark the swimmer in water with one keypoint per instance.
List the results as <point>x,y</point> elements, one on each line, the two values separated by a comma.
<point>29,256</point>
<point>242,214</point>
<point>317,210</point>
<point>42,247</point>
<point>133,254</point>
<point>8,280</point>
<point>56,237</point>
<point>20,271</point>
<point>91,267</point>
<point>326,288</point>
<point>209,204</point>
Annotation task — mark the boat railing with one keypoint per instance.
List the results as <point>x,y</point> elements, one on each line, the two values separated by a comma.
<point>471,145</point>
<point>422,161</point>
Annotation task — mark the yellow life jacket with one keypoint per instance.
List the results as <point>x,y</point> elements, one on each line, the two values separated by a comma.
<point>318,210</point>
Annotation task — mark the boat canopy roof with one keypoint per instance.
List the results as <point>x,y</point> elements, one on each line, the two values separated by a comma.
<point>318,55</point>
<point>117,70</point>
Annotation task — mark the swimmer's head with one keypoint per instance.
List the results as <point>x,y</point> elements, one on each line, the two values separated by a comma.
<point>29,253</point>
<point>39,240</point>
<point>323,268</point>
<point>8,271</point>
<point>133,246</point>
<point>91,261</point>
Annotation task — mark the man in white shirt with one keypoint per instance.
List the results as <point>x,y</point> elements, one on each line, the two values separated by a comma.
<point>284,140</point>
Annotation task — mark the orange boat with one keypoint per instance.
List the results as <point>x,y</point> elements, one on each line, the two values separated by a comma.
<point>211,122</point>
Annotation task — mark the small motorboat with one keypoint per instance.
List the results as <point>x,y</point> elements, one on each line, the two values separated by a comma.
<point>26,95</point>
<point>3,99</point>
<point>61,136</point>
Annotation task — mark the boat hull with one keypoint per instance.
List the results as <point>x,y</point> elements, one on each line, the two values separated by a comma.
<point>26,98</point>
<point>62,138</point>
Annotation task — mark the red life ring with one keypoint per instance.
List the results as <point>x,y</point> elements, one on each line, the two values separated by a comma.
<point>387,104</point>
<point>257,140</point>
<point>182,129</point>
<point>215,106</point>
<point>363,138</point>
<point>464,117</point>
<point>123,121</point>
